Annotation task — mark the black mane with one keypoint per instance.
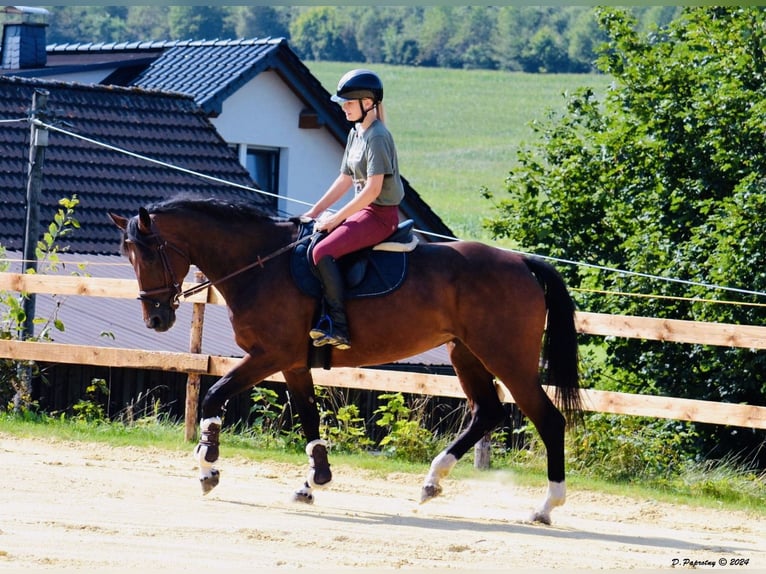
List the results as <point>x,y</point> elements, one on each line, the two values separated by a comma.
<point>229,209</point>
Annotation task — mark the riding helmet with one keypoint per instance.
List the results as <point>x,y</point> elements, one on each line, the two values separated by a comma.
<point>358,84</point>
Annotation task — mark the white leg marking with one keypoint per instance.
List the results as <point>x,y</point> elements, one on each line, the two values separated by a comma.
<point>557,495</point>
<point>440,467</point>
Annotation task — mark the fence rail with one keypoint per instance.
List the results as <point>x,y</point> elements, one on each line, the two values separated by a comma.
<point>196,364</point>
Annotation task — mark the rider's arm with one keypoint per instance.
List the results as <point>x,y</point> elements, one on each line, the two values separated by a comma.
<point>336,190</point>
<point>365,197</point>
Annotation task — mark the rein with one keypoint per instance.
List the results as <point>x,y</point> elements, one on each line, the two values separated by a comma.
<point>175,286</point>
<point>257,263</point>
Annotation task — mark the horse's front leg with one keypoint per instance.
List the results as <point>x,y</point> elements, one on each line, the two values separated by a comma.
<point>300,385</point>
<point>245,375</point>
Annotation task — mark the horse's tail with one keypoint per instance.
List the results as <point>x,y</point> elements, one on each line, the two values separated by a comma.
<point>560,353</point>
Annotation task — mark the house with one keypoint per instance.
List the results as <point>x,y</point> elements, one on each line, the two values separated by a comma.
<point>258,94</point>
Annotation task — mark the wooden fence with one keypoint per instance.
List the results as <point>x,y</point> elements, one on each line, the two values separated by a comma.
<point>197,364</point>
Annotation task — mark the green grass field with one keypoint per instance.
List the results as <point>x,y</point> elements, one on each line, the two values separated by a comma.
<point>459,130</point>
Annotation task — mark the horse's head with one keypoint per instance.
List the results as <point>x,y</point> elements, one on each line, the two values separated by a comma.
<point>160,268</point>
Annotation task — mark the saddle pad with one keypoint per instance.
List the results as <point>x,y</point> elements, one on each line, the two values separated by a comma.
<point>385,271</point>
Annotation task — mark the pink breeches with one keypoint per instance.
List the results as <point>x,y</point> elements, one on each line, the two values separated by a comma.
<point>365,228</point>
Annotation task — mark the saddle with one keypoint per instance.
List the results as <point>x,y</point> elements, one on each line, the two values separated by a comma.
<point>370,272</point>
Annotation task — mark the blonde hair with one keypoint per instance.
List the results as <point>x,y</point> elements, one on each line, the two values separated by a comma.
<point>381,112</point>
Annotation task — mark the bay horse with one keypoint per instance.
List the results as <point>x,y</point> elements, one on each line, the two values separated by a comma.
<point>500,314</point>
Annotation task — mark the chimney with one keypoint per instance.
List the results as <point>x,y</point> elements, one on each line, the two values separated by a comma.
<point>24,37</point>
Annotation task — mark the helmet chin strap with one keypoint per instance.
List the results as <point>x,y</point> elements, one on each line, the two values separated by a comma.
<point>364,111</point>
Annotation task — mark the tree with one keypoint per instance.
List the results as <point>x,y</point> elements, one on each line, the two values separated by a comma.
<point>319,34</point>
<point>436,31</point>
<point>146,23</point>
<point>198,23</point>
<point>665,177</point>
<point>258,22</point>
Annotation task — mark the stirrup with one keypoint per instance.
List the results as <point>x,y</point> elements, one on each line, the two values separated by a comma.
<point>341,343</point>
<point>322,329</point>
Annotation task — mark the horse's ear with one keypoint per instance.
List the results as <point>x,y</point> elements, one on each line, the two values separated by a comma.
<point>119,221</point>
<point>144,221</point>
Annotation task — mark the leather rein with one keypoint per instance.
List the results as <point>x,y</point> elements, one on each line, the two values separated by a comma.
<point>173,285</point>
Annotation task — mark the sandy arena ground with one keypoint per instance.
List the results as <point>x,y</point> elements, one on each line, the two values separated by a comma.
<point>82,507</point>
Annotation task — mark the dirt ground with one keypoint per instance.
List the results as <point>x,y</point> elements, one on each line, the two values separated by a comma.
<point>82,507</point>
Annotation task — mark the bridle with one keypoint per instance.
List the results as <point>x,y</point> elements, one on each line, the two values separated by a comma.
<point>174,286</point>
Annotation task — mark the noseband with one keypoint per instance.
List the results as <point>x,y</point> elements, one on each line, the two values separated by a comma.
<point>172,284</point>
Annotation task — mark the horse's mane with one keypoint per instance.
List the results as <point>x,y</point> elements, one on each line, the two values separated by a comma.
<point>219,208</point>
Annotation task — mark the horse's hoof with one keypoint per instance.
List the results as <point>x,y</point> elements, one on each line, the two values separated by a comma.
<point>304,497</point>
<point>429,491</point>
<point>208,483</point>
<point>541,517</point>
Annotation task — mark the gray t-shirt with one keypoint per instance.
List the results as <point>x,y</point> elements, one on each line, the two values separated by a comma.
<point>373,153</point>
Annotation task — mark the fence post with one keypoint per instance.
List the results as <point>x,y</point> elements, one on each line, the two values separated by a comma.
<point>193,379</point>
<point>481,452</point>
<point>38,142</point>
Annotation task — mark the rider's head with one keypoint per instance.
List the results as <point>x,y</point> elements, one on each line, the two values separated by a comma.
<point>362,86</point>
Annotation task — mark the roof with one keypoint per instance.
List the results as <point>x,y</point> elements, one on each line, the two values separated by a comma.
<point>169,128</point>
<point>211,70</point>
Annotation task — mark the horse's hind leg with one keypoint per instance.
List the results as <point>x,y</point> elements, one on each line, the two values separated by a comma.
<point>551,425</point>
<point>486,413</point>
<point>300,385</point>
<point>521,377</point>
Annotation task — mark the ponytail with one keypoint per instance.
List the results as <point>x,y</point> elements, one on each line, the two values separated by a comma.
<point>380,112</point>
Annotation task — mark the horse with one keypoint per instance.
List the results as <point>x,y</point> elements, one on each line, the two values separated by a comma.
<point>501,315</point>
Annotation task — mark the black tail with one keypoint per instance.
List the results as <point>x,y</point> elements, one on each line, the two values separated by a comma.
<point>560,354</point>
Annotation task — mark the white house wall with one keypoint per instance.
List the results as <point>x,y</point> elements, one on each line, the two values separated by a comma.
<point>265,113</point>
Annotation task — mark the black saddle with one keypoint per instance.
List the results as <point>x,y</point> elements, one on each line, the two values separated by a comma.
<point>370,272</point>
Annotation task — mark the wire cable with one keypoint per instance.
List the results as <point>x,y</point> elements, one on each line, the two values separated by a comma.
<point>559,260</point>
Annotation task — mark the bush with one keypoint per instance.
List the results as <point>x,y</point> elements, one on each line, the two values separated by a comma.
<point>627,448</point>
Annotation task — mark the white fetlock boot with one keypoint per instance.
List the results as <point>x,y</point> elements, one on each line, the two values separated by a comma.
<point>305,493</point>
<point>206,453</point>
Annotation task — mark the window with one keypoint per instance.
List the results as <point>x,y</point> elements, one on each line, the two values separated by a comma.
<point>263,165</point>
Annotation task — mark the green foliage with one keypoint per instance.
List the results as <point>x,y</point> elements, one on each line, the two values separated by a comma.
<point>345,430</point>
<point>319,34</point>
<point>406,437</point>
<point>631,448</point>
<point>15,376</point>
<point>90,408</point>
<point>199,22</point>
<point>560,39</point>
<point>664,177</point>
<point>271,421</point>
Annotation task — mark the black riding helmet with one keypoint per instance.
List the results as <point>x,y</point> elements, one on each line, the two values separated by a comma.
<point>358,84</point>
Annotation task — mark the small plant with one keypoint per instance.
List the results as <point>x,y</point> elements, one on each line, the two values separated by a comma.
<point>345,430</point>
<point>273,424</point>
<point>144,409</point>
<point>90,408</point>
<point>407,438</point>
<point>340,421</point>
<point>15,376</point>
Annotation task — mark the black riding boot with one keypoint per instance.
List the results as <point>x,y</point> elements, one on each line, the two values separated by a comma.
<point>332,328</point>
